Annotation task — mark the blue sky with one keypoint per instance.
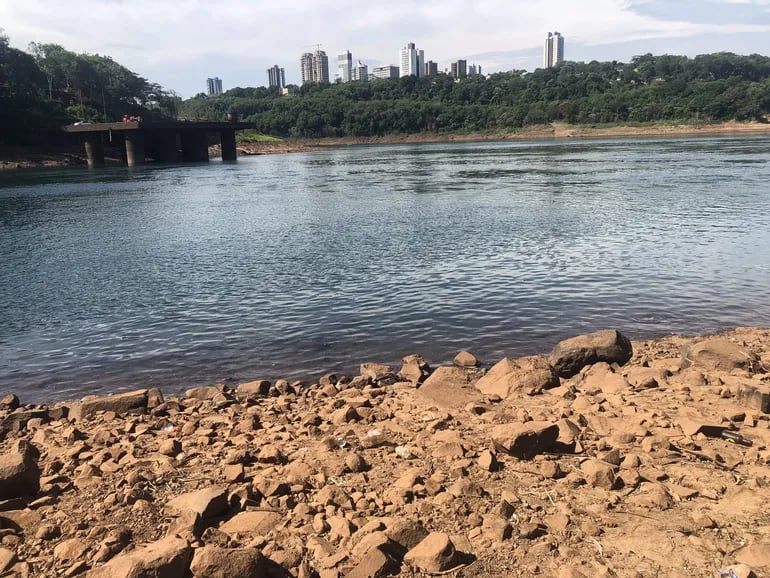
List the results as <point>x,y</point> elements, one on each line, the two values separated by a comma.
<point>179,43</point>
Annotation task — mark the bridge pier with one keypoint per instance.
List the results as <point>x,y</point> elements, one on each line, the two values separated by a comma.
<point>94,150</point>
<point>195,146</point>
<point>227,139</point>
<point>134,148</point>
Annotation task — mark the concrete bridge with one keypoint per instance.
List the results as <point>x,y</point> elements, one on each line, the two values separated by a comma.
<point>162,141</point>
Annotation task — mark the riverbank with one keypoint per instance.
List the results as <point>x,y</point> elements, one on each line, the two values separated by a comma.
<point>30,157</point>
<point>535,467</point>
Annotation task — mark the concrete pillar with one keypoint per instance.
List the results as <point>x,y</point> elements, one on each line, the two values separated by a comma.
<point>118,142</point>
<point>134,148</point>
<point>94,150</point>
<point>227,138</point>
<point>195,146</point>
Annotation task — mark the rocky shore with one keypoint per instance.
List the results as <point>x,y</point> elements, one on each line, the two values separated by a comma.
<point>608,458</point>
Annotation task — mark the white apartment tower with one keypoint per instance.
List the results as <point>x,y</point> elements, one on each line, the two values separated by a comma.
<point>360,71</point>
<point>315,67</point>
<point>412,61</point>
<point>345,66</point>
<point>554,50</point>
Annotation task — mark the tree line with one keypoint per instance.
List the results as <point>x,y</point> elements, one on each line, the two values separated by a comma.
<point>708,88</point>
<point>48,86</point>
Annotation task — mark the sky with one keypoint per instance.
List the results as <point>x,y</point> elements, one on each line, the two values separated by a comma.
<point>180,43</point>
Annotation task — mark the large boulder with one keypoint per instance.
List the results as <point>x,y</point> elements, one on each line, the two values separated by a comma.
<point>573,354</point>
<point>121,403</point>
<point>718,354</point>
<point>166,558</point>
<point>19,472</point>
<point>529,375</point>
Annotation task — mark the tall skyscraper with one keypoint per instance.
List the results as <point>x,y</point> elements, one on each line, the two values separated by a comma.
<point>345,66</point>
<point>214,86</point>
<point>431,68</point>
<point>474,69</point>
<point>412,61</point>
<point>460,69</point>
<point>276,77</point>
<point>315,67</point>
<point>554,50</point>
<point>360,71</point>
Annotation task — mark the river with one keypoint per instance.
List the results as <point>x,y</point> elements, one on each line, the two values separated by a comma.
<point>299,264</point>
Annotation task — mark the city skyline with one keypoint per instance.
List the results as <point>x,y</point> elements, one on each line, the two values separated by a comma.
<point>182,38</point>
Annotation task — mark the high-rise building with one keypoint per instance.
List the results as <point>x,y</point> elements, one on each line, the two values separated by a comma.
<point>554,50</point>
<point>276,77</point>
<point>460,69</point>
<point>345,66</point>
<point>315,67</point>
<point>214,86</point>
<point>360,71</point>
<point>474,69</point>
<point>412,61</point>
<point>431,68</point>
<point>385,72</point>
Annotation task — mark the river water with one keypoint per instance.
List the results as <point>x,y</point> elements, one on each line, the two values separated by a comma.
<point>300,264</point>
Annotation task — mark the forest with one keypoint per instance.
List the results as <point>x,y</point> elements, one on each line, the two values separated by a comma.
<point>48,86</point>
<point>649,89</point>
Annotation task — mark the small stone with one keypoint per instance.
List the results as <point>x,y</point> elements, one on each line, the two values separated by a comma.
<point>599,474</point>
<point>488,461</point>
<point>465,359</point>
<point>170,447</point>
<point>217,562</point>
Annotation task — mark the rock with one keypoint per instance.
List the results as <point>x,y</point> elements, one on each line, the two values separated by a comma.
<point>738,571</point>
<point>754,396</point>
<point>375,563</point>
<point>170,447</point>
<point>19,473</point>
<point>7,558</point>
<point>529,375</point>
<point>435,553</point>
<point>253,388</point>
<point>756,555</point>
<point>258,523</point>
<point>525,440</point>
<point>571,355</point>
<point>448,387</point>
<point>601,377</point>
<point>71,549</point>
<point>488,461</point>
<point>414,369</point>
<point>405,534</point>
<point>166,558</point>
<point>692,425</point>
<point>465,359</point>
<point>203,393</point>
<point>121,403</point>
<point>720,354</point>
<point>216,562</point>
<point>599,474</point>
<point>375,371</point>
<point>207,503</point>
<point>9,402</point>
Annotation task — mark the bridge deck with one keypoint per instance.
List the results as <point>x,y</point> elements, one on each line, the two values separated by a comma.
<point>158,125</point>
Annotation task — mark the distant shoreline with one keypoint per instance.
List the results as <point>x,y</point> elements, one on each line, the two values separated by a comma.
<point>35,157</point>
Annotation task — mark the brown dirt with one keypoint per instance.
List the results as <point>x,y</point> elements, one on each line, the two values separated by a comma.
<point>682,505</point>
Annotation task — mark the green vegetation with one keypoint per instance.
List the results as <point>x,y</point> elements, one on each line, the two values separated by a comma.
<point>50,86</point>
<point>650,89</point>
